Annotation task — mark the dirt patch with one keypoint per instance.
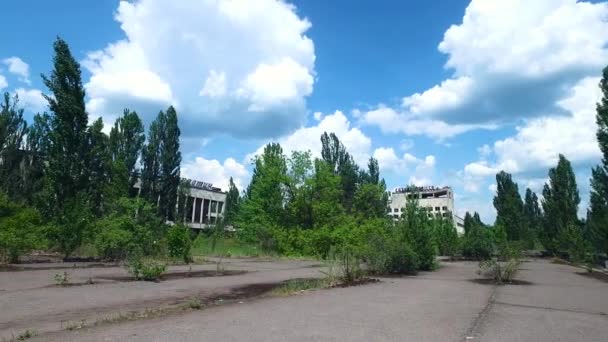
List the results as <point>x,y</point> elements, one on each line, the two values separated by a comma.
<point>486,281</point>
<point>176,275</point>
<point>17,268</point>
<point>359,282</point>
<point>595,275</point>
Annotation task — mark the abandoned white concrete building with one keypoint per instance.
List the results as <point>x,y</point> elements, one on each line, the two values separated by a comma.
<point>205,204</point>
<point>436,201</point>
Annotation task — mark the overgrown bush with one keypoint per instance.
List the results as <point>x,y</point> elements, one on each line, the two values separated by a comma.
<point>132,229</point>
<point>146,268</point>
<point>477,244</point>
<point>418,232</point>
<point>114,242</point>
<point>500,272</point>
<point>179,242</point>
<point>446,236</point>
<point>386,255</point>
<point>20,230</point>
<point>343,266</point>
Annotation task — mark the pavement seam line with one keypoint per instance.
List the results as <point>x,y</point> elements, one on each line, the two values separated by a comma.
<point>477,322</point>
<point>552,309</point>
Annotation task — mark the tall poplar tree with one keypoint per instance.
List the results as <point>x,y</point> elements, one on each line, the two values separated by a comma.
<point>12,132</point>
<point>67,160</point>
<point>126,141</point>
<point>170,160</point>
<point>598,210</point>
<point>150,176</point>
<point>509,207</point>
<point>560,204</point>
<point>233,201</point>
<point>533,216</point>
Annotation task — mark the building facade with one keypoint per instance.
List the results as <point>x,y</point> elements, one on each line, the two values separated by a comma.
<point>436,201</point>
<point>205,204</point>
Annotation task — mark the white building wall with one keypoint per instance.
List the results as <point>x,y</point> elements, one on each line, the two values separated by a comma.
<point>437,202</point>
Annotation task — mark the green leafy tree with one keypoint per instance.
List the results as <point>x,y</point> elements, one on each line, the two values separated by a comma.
<point>300,174</point>
<point>326,195</point>
<point>509,207</point>
<point>418,231</point>
<point>150,176</point>
<point>126,142</point>
<point>233,203</point>
<point>12,131</point>
<point>533,217</point>
<point>68,155</point>
<point>99,166</point>
<point>264,207</point>
<point>598,210</point>
<point>334,153</point>
<point>37,151</point>
<point>370,201</point>
<point>560,204</point>
<point>446,235</point>
<point>20,230</point>
<point>170,160</point>
<point>179,242</point>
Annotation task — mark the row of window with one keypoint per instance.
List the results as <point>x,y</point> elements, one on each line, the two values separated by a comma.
<point>430,215</point>
<point>444,208</point>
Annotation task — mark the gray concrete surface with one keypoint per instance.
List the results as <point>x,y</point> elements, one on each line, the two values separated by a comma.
<point>560,305</point>
<point>31,300</point>
<point>436,306</point>
<point>557,305</point>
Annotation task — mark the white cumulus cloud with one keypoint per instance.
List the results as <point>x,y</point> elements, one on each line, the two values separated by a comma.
<point>32,100</point>
<point>18,67</point>
<point>238,67</point>
<point>216,172</point>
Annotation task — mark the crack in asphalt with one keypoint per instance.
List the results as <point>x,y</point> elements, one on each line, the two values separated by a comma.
<point>552,309</point>
<point>483,314</point>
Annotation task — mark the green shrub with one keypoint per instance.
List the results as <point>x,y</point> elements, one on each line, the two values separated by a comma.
<point>179,242</point>
<point>415,228</point>
<point>500,272</point>
<point>146,269</point>
<point>343,266</point>
<point>386,255</point>
<point>114,242</point>
<point>20,230</point>
<point>477,244</point>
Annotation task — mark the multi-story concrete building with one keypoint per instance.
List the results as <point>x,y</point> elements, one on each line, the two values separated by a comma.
<point>205,204</point>
<point>435,201</point>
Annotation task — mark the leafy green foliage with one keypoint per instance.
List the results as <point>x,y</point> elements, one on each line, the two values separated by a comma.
<point>233,203</point>
<point>598,210</point>
<point>179,242</point>
<point>126,141</point>
<point>477,243</point>
<point>387,255</point>
<point>20,230</point>
<point>418,232</point>
<point>70,225</point>
<point>509,207</point>
<point>446,236</point>
<point>12,131</point>
<point>146,268</point>
<point>560,204</point>
<point>533,216</point>
<point>68,148</point>
<point>131,229</point>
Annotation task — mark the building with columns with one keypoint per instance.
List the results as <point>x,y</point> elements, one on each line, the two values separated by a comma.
<point>205,204</point>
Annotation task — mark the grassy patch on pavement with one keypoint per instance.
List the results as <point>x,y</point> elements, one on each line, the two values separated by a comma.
<point>299,285</point>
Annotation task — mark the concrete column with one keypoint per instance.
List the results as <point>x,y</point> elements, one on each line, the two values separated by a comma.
<point>203,210</point>
<point>193,208</point>
<point>209,211</point>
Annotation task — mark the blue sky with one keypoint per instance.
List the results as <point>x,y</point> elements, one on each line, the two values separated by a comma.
<point>440,92</point>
